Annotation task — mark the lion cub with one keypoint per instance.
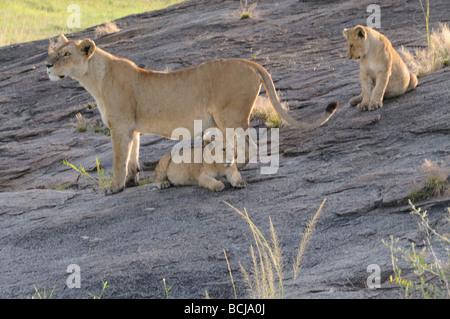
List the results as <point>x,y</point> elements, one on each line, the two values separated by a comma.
<point>383,73</point>
<point>203,174</point>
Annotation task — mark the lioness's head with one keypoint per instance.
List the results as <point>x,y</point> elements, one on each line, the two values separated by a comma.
<point>68,58</point>
<point>357,44</point>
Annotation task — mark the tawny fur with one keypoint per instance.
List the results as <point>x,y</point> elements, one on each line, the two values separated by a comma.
<point>168,173</point>
<point>383,72</point>
<point>132,100</point>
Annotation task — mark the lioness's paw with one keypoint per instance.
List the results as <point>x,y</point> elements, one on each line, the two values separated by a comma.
<point>163,184</point>
<point>132,181</point>
<point>239,184</point>
<point>111,189</point>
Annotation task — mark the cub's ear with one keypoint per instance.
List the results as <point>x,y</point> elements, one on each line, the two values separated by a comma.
<point>359,32</point>
<point>345,33</point>
<point>87,47</point>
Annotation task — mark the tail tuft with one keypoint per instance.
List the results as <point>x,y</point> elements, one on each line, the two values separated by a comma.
<point>332,106</point>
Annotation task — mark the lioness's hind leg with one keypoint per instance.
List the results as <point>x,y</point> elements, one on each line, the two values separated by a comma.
<point>235,178</point>
<point>133,163</point>
<point>243,146</point>
<point>161,179</point>
<point>250,151</point>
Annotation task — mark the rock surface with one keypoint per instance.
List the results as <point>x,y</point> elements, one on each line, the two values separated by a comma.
<point>363,163</point>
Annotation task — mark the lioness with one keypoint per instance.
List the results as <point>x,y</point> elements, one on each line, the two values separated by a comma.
<point>204,174</point>
<point>383,73</point>
<point>132,100</point>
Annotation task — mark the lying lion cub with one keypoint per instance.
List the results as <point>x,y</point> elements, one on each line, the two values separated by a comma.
<point>383,73</point>
<point>169,173</point>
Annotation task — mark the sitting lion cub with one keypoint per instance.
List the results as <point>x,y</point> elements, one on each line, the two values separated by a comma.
<point>203,174</point>
<point>383,73</point>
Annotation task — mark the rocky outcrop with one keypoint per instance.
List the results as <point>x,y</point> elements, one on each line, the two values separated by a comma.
<point>363,163</point>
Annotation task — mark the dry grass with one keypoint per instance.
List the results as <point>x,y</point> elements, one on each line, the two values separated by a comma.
<point>264,111</point>
<point>436,177</point>
<point>81,123</point>
<point>436,56</point>
<point>107,28</point>
<point>247,10</point>
<point>305,241</point>
<point>436,181</point>
<point>265,280</point>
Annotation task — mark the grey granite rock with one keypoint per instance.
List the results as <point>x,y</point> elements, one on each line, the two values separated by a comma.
<point>364,163</point>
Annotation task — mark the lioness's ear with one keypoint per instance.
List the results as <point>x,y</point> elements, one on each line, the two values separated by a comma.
<point>345,33</point>
<point>359,32</point>
<point>87,47</point>
<point>61,39</point>
<point>51,46</point>
<point>54,43</point>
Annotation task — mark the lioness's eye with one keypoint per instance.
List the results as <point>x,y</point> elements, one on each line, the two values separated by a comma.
<point>66,54</point>
<point>351,46</point>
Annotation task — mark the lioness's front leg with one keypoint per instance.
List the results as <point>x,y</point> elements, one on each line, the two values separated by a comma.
<point>133,163</point>
<point>121,140</point>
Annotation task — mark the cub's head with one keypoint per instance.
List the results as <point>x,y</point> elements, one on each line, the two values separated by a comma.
<point>215,151</point>
<point>357,43</point>
<point>68,58</point>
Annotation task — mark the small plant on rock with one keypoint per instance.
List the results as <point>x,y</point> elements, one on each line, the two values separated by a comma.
<point>264,111</point>
<point>102,180</point>
<point>247,10</point>
<point>436,182</point>
<point>430,274</point>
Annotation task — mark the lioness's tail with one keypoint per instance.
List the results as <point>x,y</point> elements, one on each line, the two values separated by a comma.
<point>273,97</point>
